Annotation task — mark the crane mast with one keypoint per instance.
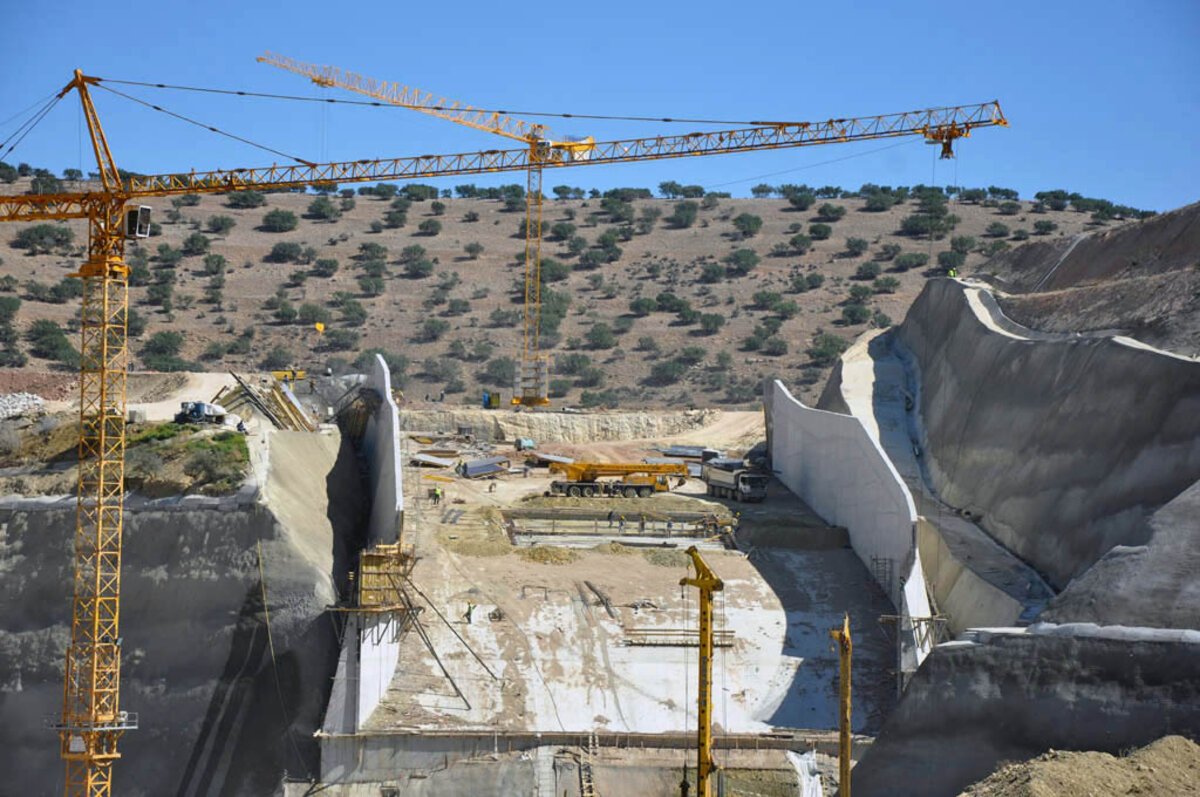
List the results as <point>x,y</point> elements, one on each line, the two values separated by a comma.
<point>708,583</point>
<point>92,721</point>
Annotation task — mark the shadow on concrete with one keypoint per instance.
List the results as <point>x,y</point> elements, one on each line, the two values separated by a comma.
<point>348,513</point>
<point>815,588</point>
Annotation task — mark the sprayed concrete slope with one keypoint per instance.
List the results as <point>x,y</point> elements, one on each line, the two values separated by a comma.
<point>197,663</point>
<point>1011,694</point>
<point>1063,445</point>
<point>974,581</point>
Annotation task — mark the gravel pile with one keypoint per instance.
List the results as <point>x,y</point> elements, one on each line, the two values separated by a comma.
<point>14,405</point>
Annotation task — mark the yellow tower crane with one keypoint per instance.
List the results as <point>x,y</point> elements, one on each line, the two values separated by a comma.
<point>532,383</point>
<point>92,722</point>
<point>708,583</point>
<point>941,126</point>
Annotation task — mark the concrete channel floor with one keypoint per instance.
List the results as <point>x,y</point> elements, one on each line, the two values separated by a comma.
<point>540,653</point>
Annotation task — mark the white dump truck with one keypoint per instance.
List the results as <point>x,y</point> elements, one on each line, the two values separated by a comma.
<point>200,412</point>
<point>733,479</point>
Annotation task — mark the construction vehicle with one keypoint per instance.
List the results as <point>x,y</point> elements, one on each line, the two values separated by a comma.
<point>938,126</point>
<point>92,721</point>
<point>707,582</point>
<point>200,412</point>
<point>733,479</point>
<point>637,479</point>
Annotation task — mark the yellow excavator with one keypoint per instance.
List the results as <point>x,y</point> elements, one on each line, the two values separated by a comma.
<point>636,479</point>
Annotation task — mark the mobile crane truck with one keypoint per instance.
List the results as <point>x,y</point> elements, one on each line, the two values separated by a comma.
<point>637,480</point>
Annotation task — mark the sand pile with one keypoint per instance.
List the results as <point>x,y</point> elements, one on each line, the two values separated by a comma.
<point>1165,768</point>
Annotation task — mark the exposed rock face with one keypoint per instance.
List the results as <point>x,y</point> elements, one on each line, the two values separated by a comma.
<point>558,426</point>
<point>1063,444</point>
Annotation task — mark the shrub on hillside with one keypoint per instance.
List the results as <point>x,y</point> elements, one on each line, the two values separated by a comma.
<point>643,306</point>
<point>245,200</point>
<point>741,261</point>
<point>819,232</point>
<point>711,323</point>
<point>683,215</point>
<point>284,252</point>
<point>867,271</point>
<point>747,225</point>
<point>323,209</point>
<point>857,246</point>
<point>854,314</point>
<point>910,260</point>
<point>221,225</point>
<point>600,336</point>
<point>829,212</point>
<point>43,238</point>
<point>279,220</point>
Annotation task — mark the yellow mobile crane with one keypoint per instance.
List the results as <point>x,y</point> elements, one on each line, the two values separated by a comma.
<point>707,582</point>
<point>637,479</point>
<point>92,722</point>
<point>939,126</point>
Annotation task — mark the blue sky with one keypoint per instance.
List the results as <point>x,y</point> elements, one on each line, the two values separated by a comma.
<point>1103,96</point>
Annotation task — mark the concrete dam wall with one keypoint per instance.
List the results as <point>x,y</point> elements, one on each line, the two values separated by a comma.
<point>381,448</point>
<point>839,470</point>
<point>1062,444</point>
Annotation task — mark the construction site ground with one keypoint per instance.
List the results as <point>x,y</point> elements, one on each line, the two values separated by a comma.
<point>545,647</point>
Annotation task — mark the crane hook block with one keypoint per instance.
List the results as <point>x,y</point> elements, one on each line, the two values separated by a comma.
<point>137,222</point>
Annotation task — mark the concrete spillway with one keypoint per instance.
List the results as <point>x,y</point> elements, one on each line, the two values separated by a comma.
<point>1078,455</point>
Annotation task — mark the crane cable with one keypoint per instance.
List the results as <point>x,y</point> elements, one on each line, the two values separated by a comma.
<point>901,143</point>
<point>452,108</point>
<point>207,127</point>
<point>27,126</point>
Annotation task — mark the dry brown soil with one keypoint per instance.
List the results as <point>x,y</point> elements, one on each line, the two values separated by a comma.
<point>1169,767</point>
<point>665,259</point>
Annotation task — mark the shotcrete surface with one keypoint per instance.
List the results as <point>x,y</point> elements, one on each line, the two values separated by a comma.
<point>1012,695</point>
<point>197,665</point>
<point>975,580</point>
<point>1031,431</point>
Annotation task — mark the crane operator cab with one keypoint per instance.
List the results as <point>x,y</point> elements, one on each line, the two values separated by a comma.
<point>137,222</point>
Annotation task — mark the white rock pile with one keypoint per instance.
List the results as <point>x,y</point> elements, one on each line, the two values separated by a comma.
<point>14,405</point>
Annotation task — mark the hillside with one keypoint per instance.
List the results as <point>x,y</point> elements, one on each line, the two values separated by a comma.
<point>1140,279</point>
<point>246,312</point>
